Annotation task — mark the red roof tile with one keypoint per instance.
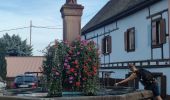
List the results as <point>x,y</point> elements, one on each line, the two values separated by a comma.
<point>20,65</point>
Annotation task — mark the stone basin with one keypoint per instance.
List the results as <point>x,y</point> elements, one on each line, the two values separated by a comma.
<point>137,95</point>
<point>115,90</point>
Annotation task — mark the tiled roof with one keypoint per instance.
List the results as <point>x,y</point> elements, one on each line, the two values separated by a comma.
<point>114,10</point>
<point>20,65</point>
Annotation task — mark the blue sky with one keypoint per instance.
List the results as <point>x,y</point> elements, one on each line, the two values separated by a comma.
<point>18,13</point>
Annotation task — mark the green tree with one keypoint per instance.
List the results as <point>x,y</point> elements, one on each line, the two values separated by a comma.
<point>2,61</point>
<point>14,46</point>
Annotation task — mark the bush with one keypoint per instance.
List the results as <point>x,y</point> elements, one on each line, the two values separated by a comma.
<point>72,67</point>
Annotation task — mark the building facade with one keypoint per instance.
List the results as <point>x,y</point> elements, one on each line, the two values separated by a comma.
<point>133,31</point>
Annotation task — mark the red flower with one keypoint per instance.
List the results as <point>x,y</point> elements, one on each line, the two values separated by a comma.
<point>76,62</point>
<point>72,70</point>
<point>84,79</point>
<point>78,84</point>
<point>77,66</point>
<point>95,69</point>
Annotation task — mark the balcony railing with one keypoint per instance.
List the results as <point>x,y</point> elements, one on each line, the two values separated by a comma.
<point>141,63</point>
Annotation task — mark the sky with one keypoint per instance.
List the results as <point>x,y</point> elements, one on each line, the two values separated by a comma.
<point>45,13</point>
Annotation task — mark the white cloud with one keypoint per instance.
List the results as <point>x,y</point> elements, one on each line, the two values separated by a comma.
<point>18,13</point>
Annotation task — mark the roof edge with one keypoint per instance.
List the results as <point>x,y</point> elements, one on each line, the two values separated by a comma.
<point>122,14</point>
<point>22,56</point>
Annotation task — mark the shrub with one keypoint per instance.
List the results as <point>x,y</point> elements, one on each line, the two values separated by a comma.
<point>72,67</point>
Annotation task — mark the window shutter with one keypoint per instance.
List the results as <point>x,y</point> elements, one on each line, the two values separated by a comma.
<point>109,44</point>
<point>103,46</point>
<point>162,31</point>
<point>125,41</point>
<point>154,42</point>
<point>131,39</point>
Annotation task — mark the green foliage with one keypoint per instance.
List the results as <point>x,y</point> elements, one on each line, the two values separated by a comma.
<point>3,65</point>
<point>53,67</point>
<point>72,67</point>
<point>91,86</point>
<point>14,46</point>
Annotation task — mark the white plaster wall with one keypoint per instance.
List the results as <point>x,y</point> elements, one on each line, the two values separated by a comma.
<point>143,41</point>
<point>142,36</point>
<point>118,73</point>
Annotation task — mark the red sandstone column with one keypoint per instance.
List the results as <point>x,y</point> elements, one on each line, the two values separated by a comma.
<point>71,13</point>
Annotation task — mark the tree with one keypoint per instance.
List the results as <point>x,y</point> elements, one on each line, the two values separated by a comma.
<point>3,71</point>
<point>14,46</point>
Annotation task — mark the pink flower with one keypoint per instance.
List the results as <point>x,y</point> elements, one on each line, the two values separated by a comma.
<point>84,79</point>
<point>66,42</point>
<point>70,81</point>
<point>85,42</point>
<point>66,60</point>
<point>78,53</point>
<point>77,66</point>
<point>68,66</point>
<point>75,74</point>
<point>57,73</point>
<point>69,58</point>
<point>65,64</point>
<point>71,78</point>
<point>70,52</point>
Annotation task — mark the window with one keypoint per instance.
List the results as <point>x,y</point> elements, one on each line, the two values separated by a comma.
<point>129,40</point>
<point>106,45</point>
<point>158,32</point>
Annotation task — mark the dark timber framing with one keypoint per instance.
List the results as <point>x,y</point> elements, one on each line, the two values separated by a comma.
<point>155,14</point>
<point>103,34</point>
<point>125,13</point>
<point>157,63</point>
<point>151,17</point>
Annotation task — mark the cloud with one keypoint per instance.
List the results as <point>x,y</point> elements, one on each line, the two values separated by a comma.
<point>18,13</point>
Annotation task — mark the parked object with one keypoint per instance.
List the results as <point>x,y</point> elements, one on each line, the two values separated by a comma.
<point>2,86</point>
<point>25,81</point>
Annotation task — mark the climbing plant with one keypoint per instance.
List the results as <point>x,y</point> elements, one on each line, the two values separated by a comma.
<point>72,67</point>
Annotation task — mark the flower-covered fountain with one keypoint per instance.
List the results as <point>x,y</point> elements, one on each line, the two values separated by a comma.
<point>72,68</point>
